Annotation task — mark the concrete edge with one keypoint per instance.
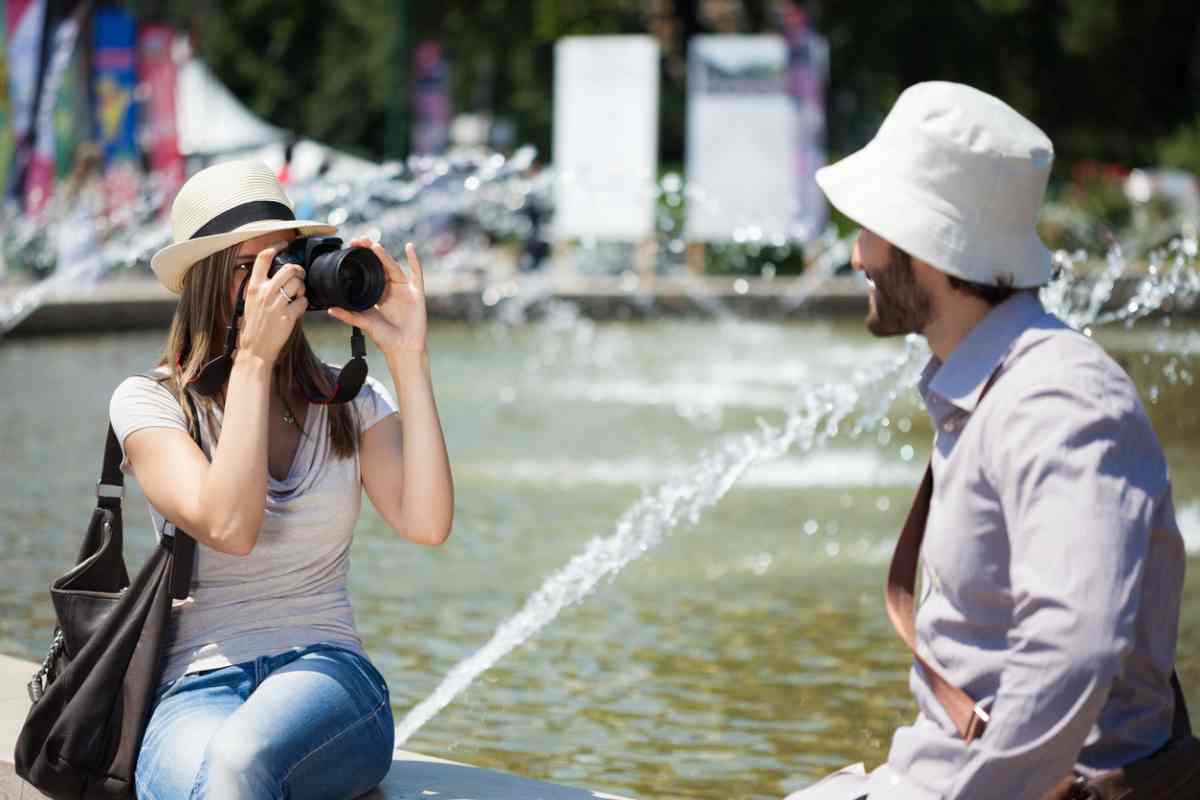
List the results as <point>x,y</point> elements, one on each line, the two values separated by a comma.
<point>414,776</point>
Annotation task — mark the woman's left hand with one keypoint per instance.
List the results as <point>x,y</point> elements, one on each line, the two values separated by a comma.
<point>398,323</point>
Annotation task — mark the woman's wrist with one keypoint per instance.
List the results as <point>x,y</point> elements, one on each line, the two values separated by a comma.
<point>404,357</point>
<point>251,363</point>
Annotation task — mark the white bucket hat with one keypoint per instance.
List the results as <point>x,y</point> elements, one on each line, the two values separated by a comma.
<point>954,177</point>
<point>221,206</point>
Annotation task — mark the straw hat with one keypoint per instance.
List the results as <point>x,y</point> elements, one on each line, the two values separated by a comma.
<point>221,206</point>
<point>956,178</point>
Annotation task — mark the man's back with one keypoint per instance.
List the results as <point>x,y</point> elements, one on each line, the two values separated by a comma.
<point>1053,565</point>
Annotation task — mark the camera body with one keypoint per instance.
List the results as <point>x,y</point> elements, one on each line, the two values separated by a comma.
<point>335,277</point>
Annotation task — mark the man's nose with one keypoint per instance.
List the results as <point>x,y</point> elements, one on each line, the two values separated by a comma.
<point>856,257</point>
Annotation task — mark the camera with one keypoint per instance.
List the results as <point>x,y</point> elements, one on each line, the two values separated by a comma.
<point>334,277</point>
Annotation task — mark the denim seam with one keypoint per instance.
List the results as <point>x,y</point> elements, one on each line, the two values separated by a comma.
<point>358,722</point>
<point>141,792</point>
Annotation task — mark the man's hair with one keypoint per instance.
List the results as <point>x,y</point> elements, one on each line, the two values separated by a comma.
<point>993,295</point>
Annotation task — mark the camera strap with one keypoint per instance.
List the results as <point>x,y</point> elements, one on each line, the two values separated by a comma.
<point>348,381</point>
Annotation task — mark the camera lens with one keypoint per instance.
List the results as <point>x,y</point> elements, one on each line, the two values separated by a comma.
<point>351,278</point>
<point>360,279</point>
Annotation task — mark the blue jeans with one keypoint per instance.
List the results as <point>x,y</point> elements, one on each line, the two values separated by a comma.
<point>310,723</point>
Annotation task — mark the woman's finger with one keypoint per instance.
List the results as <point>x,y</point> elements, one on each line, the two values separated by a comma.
<point>414,263</point>
<point>349,317</point>
<point>393,270</point>
<point>295,287</point>
<point>285,274</point>
<point>262,263</point>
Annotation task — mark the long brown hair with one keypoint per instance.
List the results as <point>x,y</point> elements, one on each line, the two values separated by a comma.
<point>198,335</point>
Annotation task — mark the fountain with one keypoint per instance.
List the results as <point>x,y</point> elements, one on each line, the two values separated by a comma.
<point>460,206</point>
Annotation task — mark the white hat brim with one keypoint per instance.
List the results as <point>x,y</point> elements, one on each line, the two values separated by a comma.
<point>172,262</point>
<point>865,188</point>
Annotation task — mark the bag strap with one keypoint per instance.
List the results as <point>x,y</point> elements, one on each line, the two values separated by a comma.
<point>110,489</point>
<point>968,716</point>
<point>1181,726</point>
<point>184,546</point>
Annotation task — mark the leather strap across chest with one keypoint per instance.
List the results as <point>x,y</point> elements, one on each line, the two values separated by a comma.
<point>968,716</point>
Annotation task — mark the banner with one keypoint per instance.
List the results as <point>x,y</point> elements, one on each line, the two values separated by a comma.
<point>114,79</point>
<point>23,21</point>
<point>742,127</point>
<point>431,99</point>
<point>808,74</point>
<point>6,138</point>
<point>605,137</point>
<point>39,181</point>
<point>160,137</point>
<point>72,110</point>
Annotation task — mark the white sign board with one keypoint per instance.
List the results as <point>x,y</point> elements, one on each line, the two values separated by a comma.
<point>742,129</point>
<point>605,136</point>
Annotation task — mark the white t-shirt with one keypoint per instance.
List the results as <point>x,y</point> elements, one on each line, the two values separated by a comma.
<point>291,590</point>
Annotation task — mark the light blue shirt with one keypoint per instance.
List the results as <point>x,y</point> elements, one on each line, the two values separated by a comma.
<point>1052,565</point>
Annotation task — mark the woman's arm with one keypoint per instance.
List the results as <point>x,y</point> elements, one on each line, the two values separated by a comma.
<point>222,504</point>
<point>405,469</point>
<point>403,460</point>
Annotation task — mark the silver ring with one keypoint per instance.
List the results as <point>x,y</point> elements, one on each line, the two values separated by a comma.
<point>287,296</point>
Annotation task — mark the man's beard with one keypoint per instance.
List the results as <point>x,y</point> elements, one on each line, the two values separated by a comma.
<point>901,306</point>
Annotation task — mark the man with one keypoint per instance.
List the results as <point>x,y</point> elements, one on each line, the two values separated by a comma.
<point>1053,564</point>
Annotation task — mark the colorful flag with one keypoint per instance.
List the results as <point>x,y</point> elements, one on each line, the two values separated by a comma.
<point>72,116</point>
<point>157,71</point>
<point>23,22</point>
<point>114,79</point>
<point>39,181</point>
<point>6,139</point>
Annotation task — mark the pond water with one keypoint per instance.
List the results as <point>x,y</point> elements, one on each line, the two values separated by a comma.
<point>743,658</point>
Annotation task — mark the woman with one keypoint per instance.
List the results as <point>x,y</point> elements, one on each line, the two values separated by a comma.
<point>266,689</point>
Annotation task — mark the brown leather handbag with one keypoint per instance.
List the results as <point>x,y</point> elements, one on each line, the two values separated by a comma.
<point>1172,773</point>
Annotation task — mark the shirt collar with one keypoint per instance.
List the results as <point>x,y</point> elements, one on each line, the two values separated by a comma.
<point>961,378</point>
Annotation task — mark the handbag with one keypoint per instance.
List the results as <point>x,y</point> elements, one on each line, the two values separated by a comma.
<point>91,697</point>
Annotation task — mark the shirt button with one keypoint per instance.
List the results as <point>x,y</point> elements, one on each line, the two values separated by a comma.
<point>949,426</point>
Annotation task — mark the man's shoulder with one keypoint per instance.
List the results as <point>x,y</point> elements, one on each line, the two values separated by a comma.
<point>1051,355</point>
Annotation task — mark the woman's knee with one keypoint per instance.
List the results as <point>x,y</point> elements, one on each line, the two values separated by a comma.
<point>238,766</point>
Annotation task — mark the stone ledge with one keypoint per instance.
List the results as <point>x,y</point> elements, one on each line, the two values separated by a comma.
<point>413,776</point>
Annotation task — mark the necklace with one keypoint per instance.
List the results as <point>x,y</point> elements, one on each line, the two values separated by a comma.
<point>288,418</point>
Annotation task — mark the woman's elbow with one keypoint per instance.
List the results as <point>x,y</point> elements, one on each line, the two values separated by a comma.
<point>428,536</point>
<point>430,533</point>
<point>232,539</point>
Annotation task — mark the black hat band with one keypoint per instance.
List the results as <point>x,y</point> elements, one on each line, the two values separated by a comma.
<point>236,217</point>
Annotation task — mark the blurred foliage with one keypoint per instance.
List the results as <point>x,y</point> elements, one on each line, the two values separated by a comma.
<point>1107,80</point>
<point>1182,148</point>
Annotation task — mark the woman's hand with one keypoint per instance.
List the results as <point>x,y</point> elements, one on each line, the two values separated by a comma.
<point>398,323</point>
<point>270,316</point>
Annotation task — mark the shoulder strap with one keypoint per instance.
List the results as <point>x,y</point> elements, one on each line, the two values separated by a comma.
<point>1182,723</point>
<point>184,546</point>
<point>968,717</point>
<point>111,488</point>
